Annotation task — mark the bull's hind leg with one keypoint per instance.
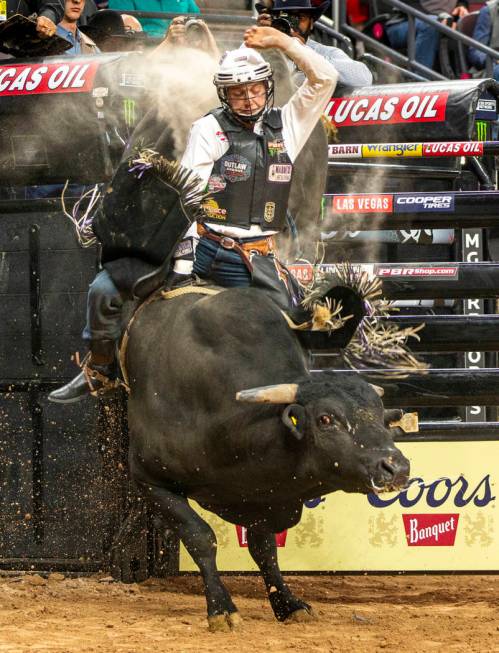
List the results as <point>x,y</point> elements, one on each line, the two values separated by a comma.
<point>201,543</point>
<point>286,607</point>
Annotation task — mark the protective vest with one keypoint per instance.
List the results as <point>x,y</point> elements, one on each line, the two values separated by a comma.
<point>494,20</point>
<point>250,183</point>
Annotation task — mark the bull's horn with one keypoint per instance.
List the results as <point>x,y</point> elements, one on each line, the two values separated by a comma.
<point>283,393</point>
<point>378,389</point>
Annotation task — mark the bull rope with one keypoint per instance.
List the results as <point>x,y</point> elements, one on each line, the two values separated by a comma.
<point>162,294</point>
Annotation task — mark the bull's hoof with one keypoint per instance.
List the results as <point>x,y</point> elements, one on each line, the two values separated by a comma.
<point>235,620</point>
<point>301,616</point>
<point>224,623</point>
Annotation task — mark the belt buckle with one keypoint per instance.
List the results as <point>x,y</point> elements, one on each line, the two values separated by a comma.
<point>227,243</point>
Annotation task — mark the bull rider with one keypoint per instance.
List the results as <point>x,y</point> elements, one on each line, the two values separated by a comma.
<point>243,152</point>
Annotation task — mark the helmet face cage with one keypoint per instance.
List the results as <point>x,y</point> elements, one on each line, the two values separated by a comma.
<point>252,117</point>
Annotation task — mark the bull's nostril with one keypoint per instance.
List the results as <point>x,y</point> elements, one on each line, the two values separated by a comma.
<point>387,468</point>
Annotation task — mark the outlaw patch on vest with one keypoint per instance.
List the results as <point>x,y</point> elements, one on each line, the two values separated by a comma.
<point>269,212</point>
<point>216,184</point>
<point>235,168</point>
<point>213,210</point>
<point>280,173</point>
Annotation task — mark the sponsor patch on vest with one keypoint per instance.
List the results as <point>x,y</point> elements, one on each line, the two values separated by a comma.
<point>213,210</point>
<point>276,147</point>
<point>280,173</point>
<point>235,168</point>
<point>269,212</point>
<point>216,184</point>
<point>221,136</point>
<point>184,248</point>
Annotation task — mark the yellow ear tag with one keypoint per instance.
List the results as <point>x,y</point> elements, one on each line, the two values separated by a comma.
<point>294,420</point>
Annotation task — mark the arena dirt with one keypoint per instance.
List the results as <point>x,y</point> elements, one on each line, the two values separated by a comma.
<point>364,614</point>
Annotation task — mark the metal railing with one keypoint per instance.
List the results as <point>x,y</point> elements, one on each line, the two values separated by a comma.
<point>409,60</point>
<point>331,34</point>
<point>371,60</point>
<point>208,18</point>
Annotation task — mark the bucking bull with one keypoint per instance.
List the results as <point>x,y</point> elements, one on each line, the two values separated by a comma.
<point>223,409</point>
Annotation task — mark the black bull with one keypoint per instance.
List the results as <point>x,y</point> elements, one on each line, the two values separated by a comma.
<point>251,463</point>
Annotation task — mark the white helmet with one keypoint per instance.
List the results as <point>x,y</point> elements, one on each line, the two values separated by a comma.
<point>243,66</point>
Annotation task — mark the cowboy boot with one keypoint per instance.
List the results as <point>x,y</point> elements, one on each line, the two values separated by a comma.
<point>98,375</point>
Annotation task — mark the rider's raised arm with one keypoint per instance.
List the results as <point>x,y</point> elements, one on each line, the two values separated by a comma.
<point>350,72</point>
<point>301,113</point>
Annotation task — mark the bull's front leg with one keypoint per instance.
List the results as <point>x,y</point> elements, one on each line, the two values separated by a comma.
<point>286,606</point>
<point>200,541</point>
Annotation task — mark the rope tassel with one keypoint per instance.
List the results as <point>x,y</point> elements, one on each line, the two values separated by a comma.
<point>375,345</point>
<point>184,181</point>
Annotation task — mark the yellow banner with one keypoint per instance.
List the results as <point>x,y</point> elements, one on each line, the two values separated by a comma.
<point>392,150</point>
<point>3,10</point>
<point>447,520</point>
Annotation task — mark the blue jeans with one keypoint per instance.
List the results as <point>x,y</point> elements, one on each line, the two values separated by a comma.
<point>104,309</point>
<point>427,40</point>
<point>223,266</point>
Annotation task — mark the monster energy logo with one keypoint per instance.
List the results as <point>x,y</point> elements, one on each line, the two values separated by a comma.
<point>128,111</point>
<point>481,130</point>
<point>323,207</point>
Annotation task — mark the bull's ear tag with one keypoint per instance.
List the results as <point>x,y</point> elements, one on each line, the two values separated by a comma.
<point>293,417</point>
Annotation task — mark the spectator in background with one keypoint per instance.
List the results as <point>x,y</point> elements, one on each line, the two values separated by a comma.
<point>131,23</point>
<point>49,13</point>
<point>155,26</point>
<point>487,32</point>
<point>108,30</point>
<point>189,33</point>
<point>358,13</point>
<point>54,10</point>
<point>427,38</point>
<point>68,29</point>
<point>351,73</point>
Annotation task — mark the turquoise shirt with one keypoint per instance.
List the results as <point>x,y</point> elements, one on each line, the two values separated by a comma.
<point>155,26</point>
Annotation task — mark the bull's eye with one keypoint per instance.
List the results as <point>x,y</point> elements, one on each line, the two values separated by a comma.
<point>325,420</point>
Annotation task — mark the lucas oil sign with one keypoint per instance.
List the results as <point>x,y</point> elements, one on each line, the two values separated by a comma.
<point>445,520</point>
<point>37,79</point>
<point>388,109</point>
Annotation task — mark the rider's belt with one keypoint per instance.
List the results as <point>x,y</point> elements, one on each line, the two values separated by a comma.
<point>263,246</point>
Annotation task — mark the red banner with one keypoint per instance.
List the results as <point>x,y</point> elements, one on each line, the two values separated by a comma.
<point>242,537</point>
<point>40,79</point>
<point>363,203</point>
<point>387,109</point>
<point>431,530</point>
<point>473,148</point>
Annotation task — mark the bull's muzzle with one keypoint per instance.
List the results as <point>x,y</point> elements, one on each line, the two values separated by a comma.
<point>391,473</point>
